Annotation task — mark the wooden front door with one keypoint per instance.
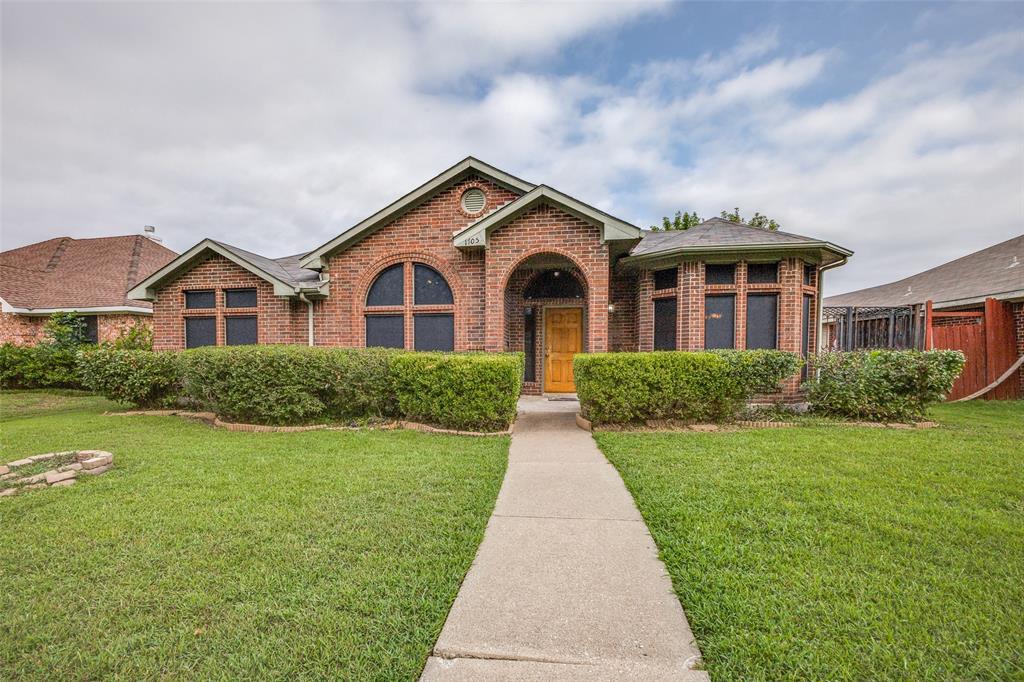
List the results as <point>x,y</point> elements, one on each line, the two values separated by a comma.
<point>563,338</point>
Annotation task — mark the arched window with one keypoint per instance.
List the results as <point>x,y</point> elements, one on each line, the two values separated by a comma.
<point>428,311</point>
<point>554,284</point>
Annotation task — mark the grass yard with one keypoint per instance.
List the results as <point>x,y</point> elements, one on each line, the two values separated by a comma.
<point>844,553</point>
<point>207,554</point>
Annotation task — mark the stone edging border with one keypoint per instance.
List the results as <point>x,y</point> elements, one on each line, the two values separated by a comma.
<point>213,420</point>
<point>93,462</point>
<point>655,425</point>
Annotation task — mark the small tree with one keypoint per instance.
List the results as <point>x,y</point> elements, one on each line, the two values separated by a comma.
<point>65,330</point>
<point>757,220</point>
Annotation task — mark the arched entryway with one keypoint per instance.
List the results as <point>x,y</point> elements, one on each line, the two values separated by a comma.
<point>546,306</point>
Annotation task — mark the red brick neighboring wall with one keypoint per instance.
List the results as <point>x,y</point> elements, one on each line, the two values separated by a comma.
<point>279,320</point>
<point>27,330</point>
<point>622,323</point>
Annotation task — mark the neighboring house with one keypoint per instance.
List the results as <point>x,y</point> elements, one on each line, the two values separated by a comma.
<point>86,276</point>
<point>976,305</point>
<point>477,259</point>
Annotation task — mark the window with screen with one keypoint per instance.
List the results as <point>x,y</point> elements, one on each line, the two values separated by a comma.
<point>240,330</point>
<point>719,322</point>
<point>809,270</point>
<point>200,299</point>
<point>720,273</point>
<point>200,331</point>
<point>90,329</point>
<point>389,287</point>
<point>665,310</point>
<point>666,279</point>
<point>530,346</point>
<point>385,331</point>
<point>762,273</point>
<point>240,298</point>
<point>427,305</point>
<point>762,321</point>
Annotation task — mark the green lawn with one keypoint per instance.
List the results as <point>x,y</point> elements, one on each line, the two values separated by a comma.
<point>844,553</point>
<point>207,554</point>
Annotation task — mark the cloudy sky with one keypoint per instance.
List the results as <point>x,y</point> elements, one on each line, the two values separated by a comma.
<point>896,130</point>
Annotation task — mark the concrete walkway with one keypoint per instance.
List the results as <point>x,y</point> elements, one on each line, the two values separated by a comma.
<point>567,584</point>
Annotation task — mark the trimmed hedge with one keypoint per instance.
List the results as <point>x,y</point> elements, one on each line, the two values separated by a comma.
<point>691,386</point>
<point>139,377</point>
<point>288,384</point>
<point>459,391</point>
<point>298,384</point>
<point>881,385</point>
<point>44,365</point>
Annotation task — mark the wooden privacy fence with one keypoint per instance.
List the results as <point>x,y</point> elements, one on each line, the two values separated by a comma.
<point>985,335</point>
<point>986,338</point>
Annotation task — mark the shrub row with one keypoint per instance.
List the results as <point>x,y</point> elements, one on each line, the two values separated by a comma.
<point>882,385</point>
<point>691,386</point>
<point>297,384</point>
<point>43,366</point>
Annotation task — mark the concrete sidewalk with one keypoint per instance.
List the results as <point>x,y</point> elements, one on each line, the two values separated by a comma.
<point>567,584</point>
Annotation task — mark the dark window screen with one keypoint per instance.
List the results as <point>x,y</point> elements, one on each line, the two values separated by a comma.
<point>719,321</point>
<point>805,332</point>
<point>200,299</point>
<point>809,274</point>
<point>200,331</point>
<point>90,328</point>
<point>240,330</point>
<point>665,323</point>
<point>666,279</point>
<point>434,331</point>
<point>762,320</point>
<point>719,273</point>
<point>553,284</point>
<point>430,287</point>
<point>530,346</point>
<point>387,331</point>
<point>388,288</point>
<point>240,298</point>
<point>762,273</point>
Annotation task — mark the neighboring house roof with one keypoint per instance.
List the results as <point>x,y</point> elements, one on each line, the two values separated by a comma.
<point>78,274</point>
<point>719,235</point>
<point>477,233</point>
<point>996,272</point>
<point>288,278</point>
<point>409,201</point>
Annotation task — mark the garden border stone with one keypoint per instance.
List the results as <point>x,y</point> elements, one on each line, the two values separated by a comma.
<point>63,475</point>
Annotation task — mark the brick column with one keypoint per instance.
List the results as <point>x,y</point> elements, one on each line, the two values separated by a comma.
<point>791,275</point>
<point>645,310</point>
<point>691,306</point>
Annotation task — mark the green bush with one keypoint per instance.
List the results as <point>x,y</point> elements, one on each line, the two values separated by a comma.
<point>45,365</point>
<point>881,385</point>
<point>702,386</point>
<point>468,391</point>
<point>289,384</point>
<point>139,377</point>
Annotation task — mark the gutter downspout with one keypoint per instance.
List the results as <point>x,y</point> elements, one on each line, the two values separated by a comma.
<point>821,288</point>
<point>309,316</point>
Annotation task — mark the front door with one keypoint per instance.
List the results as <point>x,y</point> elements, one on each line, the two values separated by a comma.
<point>563,338</point>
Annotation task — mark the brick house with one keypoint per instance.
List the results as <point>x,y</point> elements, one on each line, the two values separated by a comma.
<point>477,259</point>
<point>86,276</point>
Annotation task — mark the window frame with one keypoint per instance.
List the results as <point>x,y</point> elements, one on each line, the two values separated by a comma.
<point>195,319</point>
<point>213,299</point>
<point>408,308</point>
<point>238,290</point>
<point>228,319</point>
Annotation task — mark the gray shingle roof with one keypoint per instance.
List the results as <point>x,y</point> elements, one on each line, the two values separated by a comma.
<point>970,278</point>
<point>286,268</point>
<point>716,232</point>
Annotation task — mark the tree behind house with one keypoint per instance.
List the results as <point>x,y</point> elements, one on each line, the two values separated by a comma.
<point>686,220</point>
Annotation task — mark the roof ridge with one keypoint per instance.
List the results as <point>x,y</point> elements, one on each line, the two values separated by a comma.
<point>133,263</point>
<point>58,253</point>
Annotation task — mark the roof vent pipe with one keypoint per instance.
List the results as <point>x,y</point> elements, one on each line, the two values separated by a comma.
<point>150,232</point>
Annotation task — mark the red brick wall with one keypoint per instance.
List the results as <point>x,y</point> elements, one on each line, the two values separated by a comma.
<point>423,234</point>
<point>27,330</point>
<point>279,320</point>
<point>622,324</point>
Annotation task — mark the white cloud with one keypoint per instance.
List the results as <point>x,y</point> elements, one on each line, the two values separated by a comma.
<point>277,126</point>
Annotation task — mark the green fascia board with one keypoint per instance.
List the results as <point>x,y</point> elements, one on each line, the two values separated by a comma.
<point>612,228</point>
<point>146,289</point>
<point>314,259</point>
<point>816,251</point>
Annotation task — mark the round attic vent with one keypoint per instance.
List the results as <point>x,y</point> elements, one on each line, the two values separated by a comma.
<point>473,200</point>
